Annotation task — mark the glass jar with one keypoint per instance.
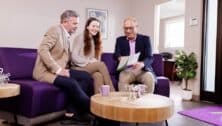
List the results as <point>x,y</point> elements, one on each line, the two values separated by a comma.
<point>4,78</point>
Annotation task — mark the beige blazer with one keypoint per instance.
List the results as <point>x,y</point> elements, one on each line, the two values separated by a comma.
<point>53,54</point>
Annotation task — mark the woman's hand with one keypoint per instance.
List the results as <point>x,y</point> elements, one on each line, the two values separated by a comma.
<point>64,72</point>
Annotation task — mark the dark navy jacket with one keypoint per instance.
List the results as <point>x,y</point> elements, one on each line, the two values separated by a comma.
<point>143,45</point>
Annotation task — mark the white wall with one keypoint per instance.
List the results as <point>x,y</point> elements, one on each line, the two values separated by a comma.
<point>143,11</point>
<point>193,35</point>
<point>24,22</point>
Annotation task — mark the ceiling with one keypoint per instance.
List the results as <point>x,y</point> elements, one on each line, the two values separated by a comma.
<point>172,8</point>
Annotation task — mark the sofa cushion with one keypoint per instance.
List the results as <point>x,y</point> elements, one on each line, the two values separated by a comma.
<point>37,98</point>
<point>18,62</point>
<point>162,86</point>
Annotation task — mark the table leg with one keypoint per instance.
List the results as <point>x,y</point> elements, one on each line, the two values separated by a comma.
<point>15,118</point>
<point>94,121</point>
<point>166,123</point>
<point>137,124</point>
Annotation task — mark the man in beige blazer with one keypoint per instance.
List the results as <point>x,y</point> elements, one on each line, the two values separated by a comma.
<point>52,65</point>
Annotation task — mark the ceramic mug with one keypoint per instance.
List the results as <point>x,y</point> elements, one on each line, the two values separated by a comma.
<point>105,90</point>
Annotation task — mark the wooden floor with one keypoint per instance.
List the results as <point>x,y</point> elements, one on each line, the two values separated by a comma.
<point>175,120</point>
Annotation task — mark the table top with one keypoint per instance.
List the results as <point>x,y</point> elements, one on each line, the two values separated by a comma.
<point>148,108</point>
<point>9,90</point>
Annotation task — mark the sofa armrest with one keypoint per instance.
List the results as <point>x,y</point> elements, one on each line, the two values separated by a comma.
<point>162,86</point>
<point>34,94</point>
<point>158,64</point>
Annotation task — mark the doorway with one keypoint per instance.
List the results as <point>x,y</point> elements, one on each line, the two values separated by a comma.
<point>211,74</point>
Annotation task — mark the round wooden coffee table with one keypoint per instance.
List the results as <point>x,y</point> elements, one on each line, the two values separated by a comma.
<point>9,90</point>
<point>116,106</point>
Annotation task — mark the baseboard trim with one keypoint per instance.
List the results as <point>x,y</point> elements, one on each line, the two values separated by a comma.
<point>25,121</point>
<point>7,116</point>
<point>39,119</point>
<point>196,98</point>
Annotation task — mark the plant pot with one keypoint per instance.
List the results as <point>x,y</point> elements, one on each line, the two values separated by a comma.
<point>187,94</point>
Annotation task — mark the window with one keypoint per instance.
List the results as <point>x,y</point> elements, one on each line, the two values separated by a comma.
<point>174,33</point>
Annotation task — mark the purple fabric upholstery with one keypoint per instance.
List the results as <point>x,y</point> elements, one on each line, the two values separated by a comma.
<point>111,64</point>
<point>18,62</point>
<point>38,98</point>
<point>162,85</point>
<point>34,96</point>
<point>115,81</point>
<point>158,64</point>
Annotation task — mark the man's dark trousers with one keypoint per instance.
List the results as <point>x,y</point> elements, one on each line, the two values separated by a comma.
<point>78,87</point>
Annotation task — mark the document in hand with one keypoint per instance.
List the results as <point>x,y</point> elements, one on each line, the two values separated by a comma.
<point>127,61</point>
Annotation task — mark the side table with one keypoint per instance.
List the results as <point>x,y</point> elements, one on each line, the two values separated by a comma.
<point>9,90</point>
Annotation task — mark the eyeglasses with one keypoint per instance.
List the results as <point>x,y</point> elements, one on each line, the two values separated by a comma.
<point>128,28</point>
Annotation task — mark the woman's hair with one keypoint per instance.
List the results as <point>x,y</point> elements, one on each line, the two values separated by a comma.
<point>96,39</point>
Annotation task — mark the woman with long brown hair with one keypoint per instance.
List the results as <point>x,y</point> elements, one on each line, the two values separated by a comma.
<point>86,53</point>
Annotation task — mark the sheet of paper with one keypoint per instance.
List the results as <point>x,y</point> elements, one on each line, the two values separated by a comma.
<point>133,59</point>
<point>122,63</point>
<point>127,61</point>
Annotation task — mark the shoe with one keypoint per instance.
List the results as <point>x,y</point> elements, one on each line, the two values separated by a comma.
<point>83,118</point>
<point>68,121</point>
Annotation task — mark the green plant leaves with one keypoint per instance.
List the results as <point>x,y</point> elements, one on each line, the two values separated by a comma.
<point>186,65</point>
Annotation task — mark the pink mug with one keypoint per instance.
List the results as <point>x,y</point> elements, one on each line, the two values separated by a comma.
<point>105,90</point>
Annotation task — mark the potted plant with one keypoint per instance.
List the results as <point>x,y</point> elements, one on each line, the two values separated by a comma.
<point>186,66</point>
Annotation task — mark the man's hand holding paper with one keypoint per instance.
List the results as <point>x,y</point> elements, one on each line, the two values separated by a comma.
<point>138,65</point>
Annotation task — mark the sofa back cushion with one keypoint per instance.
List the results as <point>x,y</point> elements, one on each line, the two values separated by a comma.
<point>111,64</point>
<point>157,64</point>
<point>19,62</point>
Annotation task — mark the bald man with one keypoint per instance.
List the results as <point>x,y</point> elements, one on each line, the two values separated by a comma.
<point>131,44</point>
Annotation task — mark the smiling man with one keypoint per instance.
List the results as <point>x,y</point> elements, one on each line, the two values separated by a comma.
<point>52,65</point>
<point>131,44</point>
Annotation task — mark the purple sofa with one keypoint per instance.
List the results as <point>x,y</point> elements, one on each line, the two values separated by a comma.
<point>40,102</point>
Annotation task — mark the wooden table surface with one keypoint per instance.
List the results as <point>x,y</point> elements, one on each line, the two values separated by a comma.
<point>9,90</point>
<point>116,106</point>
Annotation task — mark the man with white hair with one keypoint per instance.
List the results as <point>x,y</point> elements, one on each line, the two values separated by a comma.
<point>131,44</point>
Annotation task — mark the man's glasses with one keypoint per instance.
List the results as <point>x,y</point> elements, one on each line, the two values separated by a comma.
<point>128,28</point>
